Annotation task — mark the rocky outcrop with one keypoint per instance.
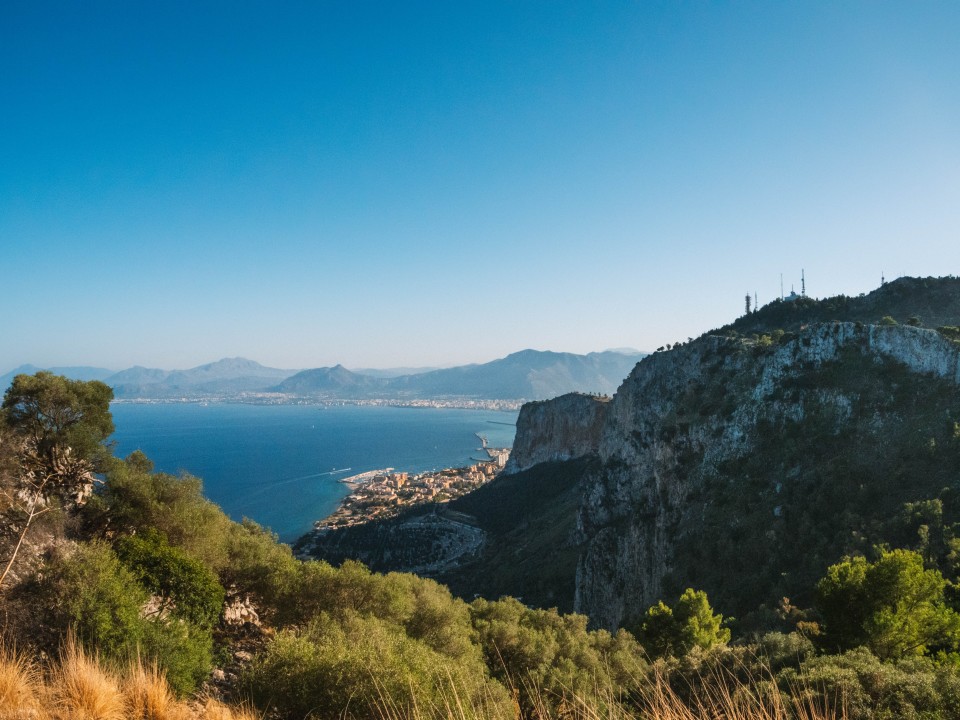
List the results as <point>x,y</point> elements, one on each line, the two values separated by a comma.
<point>692,459</point>
<point>564,428</point>
<point>682,415</point>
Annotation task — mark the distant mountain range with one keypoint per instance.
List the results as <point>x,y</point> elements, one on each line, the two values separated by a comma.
<point>529,374</point>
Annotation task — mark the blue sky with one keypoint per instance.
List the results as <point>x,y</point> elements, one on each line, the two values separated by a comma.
<point>385,184</point>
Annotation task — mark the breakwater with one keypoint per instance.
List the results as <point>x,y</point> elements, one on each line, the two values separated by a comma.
<point>364,476</point>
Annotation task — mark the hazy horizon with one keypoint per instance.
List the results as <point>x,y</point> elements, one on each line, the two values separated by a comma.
<point>436,184</point>
<point>424,368</point>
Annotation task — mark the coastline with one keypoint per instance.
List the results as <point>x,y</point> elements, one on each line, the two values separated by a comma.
<point>363,477</point>
<point>384,493</point>
<point>453,403</point>
<point>262,461</point>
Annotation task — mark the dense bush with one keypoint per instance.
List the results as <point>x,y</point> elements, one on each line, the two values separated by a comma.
<point>894,606</point>
<point>552,658</point>
<point>87,591</point>
<point>360,665</point>
<point>870,689</point>
<point>677,630</point>
<point>187,588</point>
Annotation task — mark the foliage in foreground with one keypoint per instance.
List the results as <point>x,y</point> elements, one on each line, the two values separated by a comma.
<point>81,687</point>
<point>139,576</point>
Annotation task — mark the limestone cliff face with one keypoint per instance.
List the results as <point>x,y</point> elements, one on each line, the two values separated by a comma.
<point>564,428</point>
<point>683,429</point>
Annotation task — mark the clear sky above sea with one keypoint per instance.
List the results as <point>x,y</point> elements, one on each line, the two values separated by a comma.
<point>386,184</point>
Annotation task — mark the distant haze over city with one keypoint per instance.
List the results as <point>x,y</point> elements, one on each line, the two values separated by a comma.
<point>529,374</point>
<point>429,185</point>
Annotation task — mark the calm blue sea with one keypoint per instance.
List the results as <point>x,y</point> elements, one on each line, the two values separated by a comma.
<point>276,463</point>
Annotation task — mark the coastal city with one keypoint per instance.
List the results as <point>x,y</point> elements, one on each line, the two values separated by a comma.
<point>380,494</point>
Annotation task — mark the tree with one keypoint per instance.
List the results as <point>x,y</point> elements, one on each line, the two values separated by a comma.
<point>894,606</point>
<point>185,587</point>
<point>57,428</point>
<point>54,413</point>
<point>689,624</point>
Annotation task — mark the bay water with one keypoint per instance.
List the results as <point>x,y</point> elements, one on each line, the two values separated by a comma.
<point>280,464</point>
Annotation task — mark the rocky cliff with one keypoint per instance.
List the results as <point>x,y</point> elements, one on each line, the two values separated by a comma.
<point>564,428</point>
<point>716,454</point>
<point>743,465</point>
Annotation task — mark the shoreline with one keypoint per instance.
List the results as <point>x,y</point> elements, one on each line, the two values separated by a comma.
<point>385,493</point>
<point>363,477</point>
<point>506,405</point>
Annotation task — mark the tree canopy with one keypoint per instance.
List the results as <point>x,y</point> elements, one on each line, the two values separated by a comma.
<point>894,606</point>
<point>55,413</point>
<point>690,623</point>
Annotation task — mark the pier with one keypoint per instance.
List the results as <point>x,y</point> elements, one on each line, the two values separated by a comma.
<point>364,476</point>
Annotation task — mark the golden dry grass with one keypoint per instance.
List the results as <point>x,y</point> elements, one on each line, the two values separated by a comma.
<point>148,696</point>
<point>79,687</point>
<point>19,681</point>
<point>718,699</point>
<point>216,710</point>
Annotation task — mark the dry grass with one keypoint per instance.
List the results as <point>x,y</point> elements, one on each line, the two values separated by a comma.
<point>79,687</point>
<point>216,710</point>
<point>148,696</point>
<point>717,699</point>
<point>19,681</point>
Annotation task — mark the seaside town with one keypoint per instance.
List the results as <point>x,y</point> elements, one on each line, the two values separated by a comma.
<point>380,494</point>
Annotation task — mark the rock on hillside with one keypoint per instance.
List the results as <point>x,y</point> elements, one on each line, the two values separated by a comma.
<point>746,469</point>
<point>564,428</point>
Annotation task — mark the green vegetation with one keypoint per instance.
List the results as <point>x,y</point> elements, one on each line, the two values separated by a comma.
<point>893,606</point>
<point>147,569</point>
<point>675,631</point>
<point>55,413</point>
<point>867,456</point>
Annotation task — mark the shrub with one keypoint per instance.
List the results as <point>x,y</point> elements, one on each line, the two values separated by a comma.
<point>689,624</point>
<point>551,658</point>
<point>894,606</point>
<point>188,588</point>
<point>360,666</point>
<point>90,593</point>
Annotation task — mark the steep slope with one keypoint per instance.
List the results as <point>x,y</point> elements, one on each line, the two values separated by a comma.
<point>745,469</point>
<point>515,535</point>
<point>740,465</point>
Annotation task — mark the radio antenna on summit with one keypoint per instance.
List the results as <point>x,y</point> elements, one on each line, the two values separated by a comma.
<point>803,284</point>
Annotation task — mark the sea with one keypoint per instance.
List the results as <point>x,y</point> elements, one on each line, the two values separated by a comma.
<point>280,465</point>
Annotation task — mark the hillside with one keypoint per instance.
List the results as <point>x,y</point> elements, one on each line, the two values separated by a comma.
<point>741,466</point>
<point>529,374</point>
<point>82,372</point>
<point>933,302</point>
<point>746,467</point>
<point>229,375</point>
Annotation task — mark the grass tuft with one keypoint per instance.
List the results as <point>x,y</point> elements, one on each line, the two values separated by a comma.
<point>84,690</point>
<point>19,681</point>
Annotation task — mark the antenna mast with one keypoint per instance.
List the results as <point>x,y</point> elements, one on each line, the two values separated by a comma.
<point>803,284</point>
